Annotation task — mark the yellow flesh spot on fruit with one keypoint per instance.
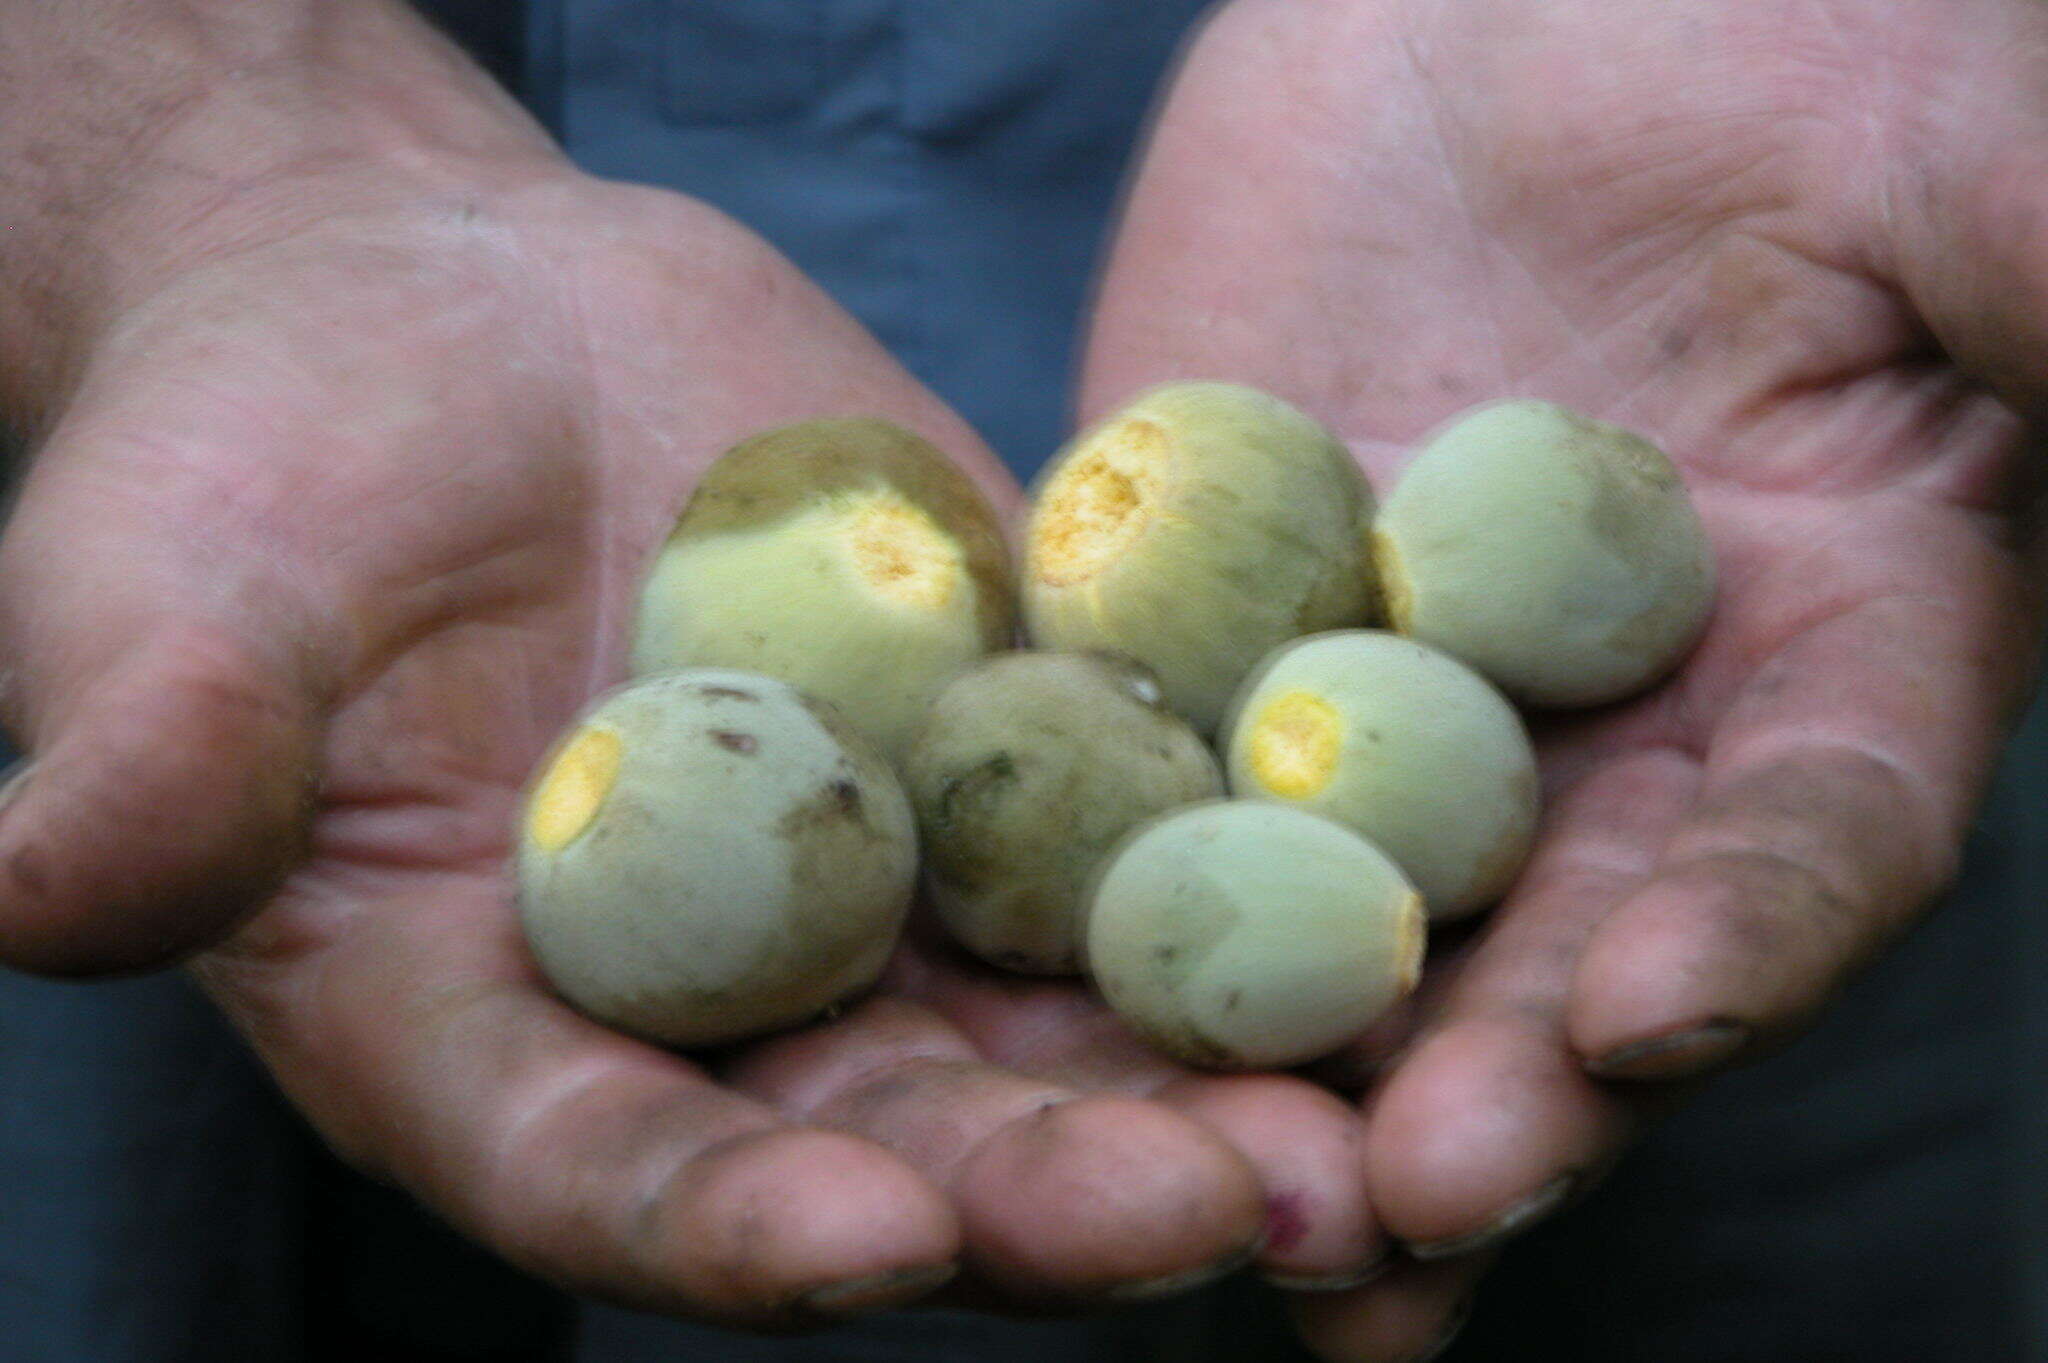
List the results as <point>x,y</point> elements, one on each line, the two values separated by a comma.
<point>1296,741</point>
<point>900,552</point>
<point>1396,597</point>
<point>569,796</point>
<point>1412,940</point>
<point>1099,501</point>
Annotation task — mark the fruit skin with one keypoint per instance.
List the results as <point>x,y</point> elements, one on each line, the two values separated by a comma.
<point>1558,555</point>
<point>1420,754</point>
<point>1195,530</point>
<point>750,865</point>
<point>776,566</point>
<point>1244,934</point>
<point>1027,769</point>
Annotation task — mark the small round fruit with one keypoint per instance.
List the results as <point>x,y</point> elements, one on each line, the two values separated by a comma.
<point>1026,770</point>
<point>1404,744</point>
<point>708,855</point>
<point>848,558</point>
<point>1558,555</point>
<point>1245,934</point>
<point>1195,530</point>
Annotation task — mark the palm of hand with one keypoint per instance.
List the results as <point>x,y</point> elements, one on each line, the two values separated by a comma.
<point>1678,220</point>
<point>418,462</point>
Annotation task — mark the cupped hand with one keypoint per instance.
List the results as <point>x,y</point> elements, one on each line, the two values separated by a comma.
<point>1805,246</point>
<point>336,524</point>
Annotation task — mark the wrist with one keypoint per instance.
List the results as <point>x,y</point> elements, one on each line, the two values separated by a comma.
<point>150,145</point>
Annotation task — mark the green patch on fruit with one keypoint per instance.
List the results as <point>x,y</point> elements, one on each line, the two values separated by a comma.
<point>1558,555</point>
<point>1024,772</point>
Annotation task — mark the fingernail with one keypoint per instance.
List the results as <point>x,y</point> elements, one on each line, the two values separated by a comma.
<point>1173,1284</point>
<point>1461,1316</point>
<point>860,1295</point>
<point>1507,1225</point>
<point>1674,1055</point>
<point>1331,1282</point>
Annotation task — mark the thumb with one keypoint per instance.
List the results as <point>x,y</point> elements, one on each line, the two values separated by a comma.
<point>171,743</point>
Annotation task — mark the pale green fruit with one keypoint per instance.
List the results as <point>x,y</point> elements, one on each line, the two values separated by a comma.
<point>848,558</point>
<point>1245,934</point>
<point>1558,555</point>
<point>1195,530</point>
<point>708,855</point>
<point>1027,768</point>
<point>1402,743</point>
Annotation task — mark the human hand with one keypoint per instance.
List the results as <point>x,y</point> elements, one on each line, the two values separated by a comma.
<point>1802,246</point>
<point>344,476</point>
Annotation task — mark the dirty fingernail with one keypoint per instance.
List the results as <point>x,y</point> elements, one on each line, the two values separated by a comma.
<point>1674,1055</point>
<point>1331,1282</point>
<point>1446,1337</point>
<point>860,1295</point>
<point>1508,1224</point>
<point>1173,1284</point>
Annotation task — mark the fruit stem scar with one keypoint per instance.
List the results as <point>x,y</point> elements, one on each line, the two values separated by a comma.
<point>1296,741</point>
<point>900,554</point>
<point>573,788</point>
<point>1412,942</point>
<point>1397,599</point>
<point>1099,501</point>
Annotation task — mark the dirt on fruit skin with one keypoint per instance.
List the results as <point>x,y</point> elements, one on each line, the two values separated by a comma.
<point>967,797</point>
<point>836,804</point>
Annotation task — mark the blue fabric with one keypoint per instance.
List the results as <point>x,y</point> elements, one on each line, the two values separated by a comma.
<point>944,167</point>
<point>148,1207</point>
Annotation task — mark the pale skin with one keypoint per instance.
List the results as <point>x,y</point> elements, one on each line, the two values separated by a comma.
<point>356,412</point>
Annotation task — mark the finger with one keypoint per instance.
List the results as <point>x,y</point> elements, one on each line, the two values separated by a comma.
<point>1411,1315</point>
<point>1306,1146</point>
<point>1487,1123</point>
<point>1061,1196</point>
<point>422,1044</point>
<point>173,754</point>
<point>1837,790</point>
<point>1309,1149</point>
<point>1353,1069</point>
